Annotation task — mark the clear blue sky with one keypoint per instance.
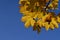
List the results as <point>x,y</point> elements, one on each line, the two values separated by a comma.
<point>11,28</point>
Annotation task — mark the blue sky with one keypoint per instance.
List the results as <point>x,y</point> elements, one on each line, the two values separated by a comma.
<point>11,27</point>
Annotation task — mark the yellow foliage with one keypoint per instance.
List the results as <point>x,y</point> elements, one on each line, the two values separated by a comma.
<point>35,14</point>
